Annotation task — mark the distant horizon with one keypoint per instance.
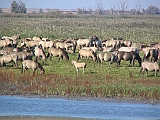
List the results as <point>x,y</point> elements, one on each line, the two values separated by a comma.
<point>86,4</point>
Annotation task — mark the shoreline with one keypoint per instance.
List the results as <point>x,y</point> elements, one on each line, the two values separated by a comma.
<point>107,99</point>
<point>41,118</point>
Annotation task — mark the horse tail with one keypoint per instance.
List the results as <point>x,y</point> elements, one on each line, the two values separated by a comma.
<point>65,54</point>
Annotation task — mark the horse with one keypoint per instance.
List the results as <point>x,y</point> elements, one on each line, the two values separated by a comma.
<point>108,49</point>
<point>111,43</point>
<point>57,52</point>
<point>87,53</point>
<point>39,52</point>
<point>23,55</point>
<point>31,64</point>
<point>106,57</point>
<point>150,52</point>
<point>131,56</point>
<point>9,58</point>
<point>35,38</point>
<point>95,49</point>
<point>79,65</point>
<point>129,49</point>
<point>95,42</point>
<point>73,43</point>
<point>46,44</point>
<point>14,39</point>
<point>126,43</point>
<point>63,45</point>
<point>5,42</point>
<point>149,66</point>
<point>83,43</point>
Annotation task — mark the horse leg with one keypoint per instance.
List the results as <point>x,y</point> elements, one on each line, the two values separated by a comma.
<point>34,72</point>
<point>132,62</point>
<point>146,72</point>
<point>140,72</point>
<point>118,62</point>
<point>143,73</point>
<point>156,73</point>
<point>77,70</point>
<point>50,57</point>
<point>83,70</point>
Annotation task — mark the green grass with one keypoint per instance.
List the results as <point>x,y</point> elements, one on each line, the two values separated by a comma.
<point>99,80</point>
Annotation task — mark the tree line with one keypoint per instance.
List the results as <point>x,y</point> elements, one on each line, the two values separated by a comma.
<point>121,8</point>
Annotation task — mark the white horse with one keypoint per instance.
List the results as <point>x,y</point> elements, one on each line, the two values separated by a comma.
<point>79,65</point>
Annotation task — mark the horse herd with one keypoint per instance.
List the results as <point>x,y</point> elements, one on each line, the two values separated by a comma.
<point>112,50</point>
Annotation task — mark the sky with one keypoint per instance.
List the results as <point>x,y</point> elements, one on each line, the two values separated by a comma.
<point>74,4</point>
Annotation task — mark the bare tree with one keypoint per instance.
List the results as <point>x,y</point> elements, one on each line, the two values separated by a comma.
<point>99,8</point>
<point>122,6</point>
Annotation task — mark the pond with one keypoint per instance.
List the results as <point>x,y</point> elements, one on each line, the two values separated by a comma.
<point>77,107</point>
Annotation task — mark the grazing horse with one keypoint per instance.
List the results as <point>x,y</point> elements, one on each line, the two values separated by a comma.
<point>87,53</point>
<point>149,66</point>
<point>34,65</point>
<point>131,56</point>
<point>57,52</point>
<point>79,65</point>
<point>39,52</point>
<point>9,58</point>
<point>106,57</point>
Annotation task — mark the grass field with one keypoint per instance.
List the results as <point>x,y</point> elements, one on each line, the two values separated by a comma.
<point>99,80</point>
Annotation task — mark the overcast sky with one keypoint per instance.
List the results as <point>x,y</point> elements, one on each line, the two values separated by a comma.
<point>74,4</point>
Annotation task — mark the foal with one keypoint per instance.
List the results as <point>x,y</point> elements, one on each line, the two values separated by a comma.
<point>79,65</point>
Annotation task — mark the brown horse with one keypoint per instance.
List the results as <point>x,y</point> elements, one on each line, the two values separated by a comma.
<point>149,66</point>
<point>131,56</point>
<point>34,65</point>
<point>57,52</point>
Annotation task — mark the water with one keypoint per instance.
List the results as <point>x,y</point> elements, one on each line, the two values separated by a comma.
<point>80,107</point>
